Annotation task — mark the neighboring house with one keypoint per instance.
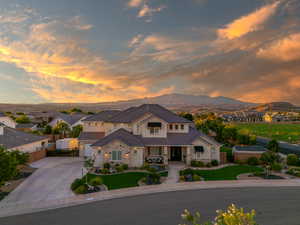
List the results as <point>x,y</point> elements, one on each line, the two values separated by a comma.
<point>26,127</point>
<point>148,133</point>
<point>6,120</point>
<point>42,117</point>
<point>72,120</point>
<point>243,153</point>
<point>243,116</point>
<point>13,139</point>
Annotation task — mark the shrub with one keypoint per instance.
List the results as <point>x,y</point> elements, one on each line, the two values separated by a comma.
<point>145,166</point>
<point>125,166</point>
<point>196,177</point>
<point>214,163</point>
<point>76,183</point>
<point>195,163</point>
<point>144,180</point>
<point>82,189</point>
<point>152,170</point>
<point>181,178</point>
<point>105,171</point>
<point>96,181</point>
<point>208,164</point>
<point>119,169</point>
<point>186,172</point>
<point>292,160</point>
<point>106,165</point>
<point>276,167</point>
<point>229,154</point>
<point>253,161</point>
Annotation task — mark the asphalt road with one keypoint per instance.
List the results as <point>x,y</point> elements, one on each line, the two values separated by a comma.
<point>274,206</point>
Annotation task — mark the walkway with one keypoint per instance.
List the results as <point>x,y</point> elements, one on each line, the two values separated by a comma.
<point>173,172</point>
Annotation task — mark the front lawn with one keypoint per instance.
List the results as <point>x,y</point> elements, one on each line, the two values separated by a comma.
<point>122,180</point>
<point>226,173</point>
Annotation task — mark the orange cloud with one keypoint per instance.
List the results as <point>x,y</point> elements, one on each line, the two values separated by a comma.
<point>286,49</point>
<point>249,23</point>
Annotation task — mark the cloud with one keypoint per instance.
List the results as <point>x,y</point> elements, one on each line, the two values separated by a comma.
<point>148,11</point>
<point>135,40</point>
<point>286,49</point>
<point>135,3</point>
<point>249,23</point>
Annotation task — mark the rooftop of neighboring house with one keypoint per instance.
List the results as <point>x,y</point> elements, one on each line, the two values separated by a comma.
<point>25,125</point>
<point>250,148</point>
<point>12,138</point>
<point>103,116</point>
<point>71,119</point>
<point>131,114</point>
<point>2,114</point>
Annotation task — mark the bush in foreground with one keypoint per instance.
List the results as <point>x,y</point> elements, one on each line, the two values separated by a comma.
<point>82,189</point>
<point>292,160</point>
<point>253,161</point>
<point>232,216</point>
<point>96,181</point>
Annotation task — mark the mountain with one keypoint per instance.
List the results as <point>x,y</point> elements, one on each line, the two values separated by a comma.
<point>178,102</point>
<point>182,99</point>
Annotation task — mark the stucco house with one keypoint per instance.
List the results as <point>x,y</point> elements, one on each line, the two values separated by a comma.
<point>72,120</point>
<point>6,120</point>
<point>148,133</point>
<point>13,139</point>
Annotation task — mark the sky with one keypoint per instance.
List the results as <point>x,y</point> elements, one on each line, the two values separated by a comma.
<point>99,50</point>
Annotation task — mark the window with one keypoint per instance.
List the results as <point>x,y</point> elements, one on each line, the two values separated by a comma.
<point>176,127</point>
<point>154,151</point>
<point>171,127</point>
<point>182,127</point>
<point>116,155</point>
<point>154,130</point>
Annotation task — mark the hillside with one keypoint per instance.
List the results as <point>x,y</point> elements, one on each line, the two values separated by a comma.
<point>277,107</point>
<point>172,101</point>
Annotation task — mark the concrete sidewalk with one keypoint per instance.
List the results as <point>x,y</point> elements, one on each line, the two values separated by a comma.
<point>10,209</point>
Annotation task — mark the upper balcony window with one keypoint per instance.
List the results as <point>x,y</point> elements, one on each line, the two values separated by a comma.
<point>154,130</point>
<point>182,127</point>
<point>176,127</point>
<point>171,127</point>
<point>154,124</point>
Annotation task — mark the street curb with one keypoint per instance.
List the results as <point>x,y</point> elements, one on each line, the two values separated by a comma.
<point>32,207</point>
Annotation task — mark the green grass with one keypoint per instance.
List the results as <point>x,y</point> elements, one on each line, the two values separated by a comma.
<point>123,180</point>
<point>281,132</point>
<point>227,173</point>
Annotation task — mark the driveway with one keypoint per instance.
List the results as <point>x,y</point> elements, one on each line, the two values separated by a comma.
<point>51,181</point>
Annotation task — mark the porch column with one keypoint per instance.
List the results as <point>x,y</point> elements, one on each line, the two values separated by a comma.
<point>165,154</point>
<point>188,155</point>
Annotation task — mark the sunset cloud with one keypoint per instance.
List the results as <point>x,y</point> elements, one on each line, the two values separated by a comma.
<point>248,23</point>
<point>286,49</point>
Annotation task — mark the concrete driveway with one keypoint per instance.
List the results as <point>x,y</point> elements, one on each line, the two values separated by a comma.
<point>51,181</point>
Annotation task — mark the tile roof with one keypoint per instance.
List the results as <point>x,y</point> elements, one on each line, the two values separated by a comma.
<point>103,116</point>
<point>25,125</point>
<point>135,113</point>
<point>71,119</point>
<point>121,135</point>
<point>91,135</point>
<point>251,148</point>
<point>171,139</point>
<point>12,138</point>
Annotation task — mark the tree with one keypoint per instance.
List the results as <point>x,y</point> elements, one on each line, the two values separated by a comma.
<point>292,160</point>
<point>48,129</point>
<point>76,131</point>
<point>62,128</point>
<point>229,134</point>
<point>75,110</point>
<point>22,119</point>
<point>273,146</point>
<point>9,161</point>
<point>243,139</point>
<point>232,216</point>
<point>187,116</point>
<point>268,159</point>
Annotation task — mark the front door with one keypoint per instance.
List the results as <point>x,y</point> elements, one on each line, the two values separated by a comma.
<point>176,154</point>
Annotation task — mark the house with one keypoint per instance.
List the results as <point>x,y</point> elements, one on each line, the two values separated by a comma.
<point>6,120</point>
<point>148,133</point>
<point>27,127</point>
<point>72,120</point>
<point>13,139</point>
<point>243,153</point>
